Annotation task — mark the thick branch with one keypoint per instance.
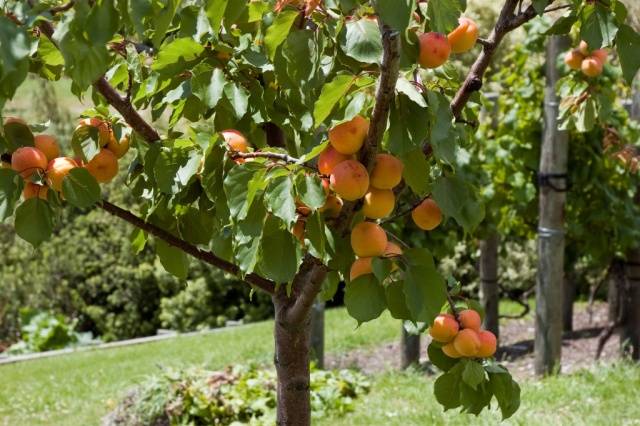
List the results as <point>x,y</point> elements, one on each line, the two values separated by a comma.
<point>507,22</point>
<point>205,256</point>
<point>307,285</point>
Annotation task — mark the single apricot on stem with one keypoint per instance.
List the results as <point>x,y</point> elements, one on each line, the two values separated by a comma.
<point>601,54</point>
<point>464,37</point>
<point>48,145</point>
<point>444,329</point>
<point>347,138</point>
<point>57,169</point>
<point>488,344</point>
<point>378,203</point>
<point>591,67</point>
<point>583,48</point>
<point>28,160</point>
<point>359,267</point>
<point>427,215</point>
<point>350,180</point>
<point>104,166</point>
<point>332,206</point>
<point>467,342</point>
<point>434,50</point>
<point>450,350</point>
<point>573,59</point>
<point>235,140</point>
<point>470,319</point>
<point>32,190</point>
<point>368,239</point>
<point>387,172</point>
<point>392,250</point>
<point>329,159</point>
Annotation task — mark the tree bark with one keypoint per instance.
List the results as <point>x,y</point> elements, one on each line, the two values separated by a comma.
<point>553,160</point>
<point>615,290</point>
<point>292,365</point>
<point>410,348</point>
<point>489,294</point>
<point>630,338</point>
<point>317,333</point>
<point>569,290</point>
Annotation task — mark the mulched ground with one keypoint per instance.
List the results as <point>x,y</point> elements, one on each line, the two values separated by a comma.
<point>516,340</point>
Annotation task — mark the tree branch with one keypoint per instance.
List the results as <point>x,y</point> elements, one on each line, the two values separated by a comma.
<point>205,256</point>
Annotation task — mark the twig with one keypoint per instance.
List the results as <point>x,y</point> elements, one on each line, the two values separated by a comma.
<point>62,8</point>
<point>405,211</point>
<point>553,9</point>
<point>606,335</point>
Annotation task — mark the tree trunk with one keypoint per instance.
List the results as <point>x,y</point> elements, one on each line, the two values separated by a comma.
<point>292,366</point>
<point>569,287</point>
<point>489,293</point>
<point>553,162</point>
<point>630,337</point>
<point>410,349</point>
<point>317,333</point>
<point>616,288</point>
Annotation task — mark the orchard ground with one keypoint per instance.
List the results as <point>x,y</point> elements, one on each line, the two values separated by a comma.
<point>78,389</point>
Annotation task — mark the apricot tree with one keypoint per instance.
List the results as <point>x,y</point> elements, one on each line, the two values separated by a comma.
<point>298,135</point>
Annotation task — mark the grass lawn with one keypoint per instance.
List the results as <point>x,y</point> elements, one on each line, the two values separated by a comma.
<point>76,389</point>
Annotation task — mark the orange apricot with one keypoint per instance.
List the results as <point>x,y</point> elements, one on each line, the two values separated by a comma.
<point>470,319</point>
<point>488,344</point>
<point>57,169</point>
<point>392,250</point>
<point>119,148</point>
<point>378,203</point>
<point>329,159</point>
<point>601,55</point>
<point>467,342</point>
<point>48,145</point>
<point>104,166</point>
<point>350,180</point>
<point>573,59</point>
<point>583,48</point>
<point>368,239</point>
<point>427,215</point>
<point>444,328</point>
<point>464,37</point>
<point>450,350</point>
<point>235,140</point>
<point>28,160</point>
<point>434,50</point>
<point>32,190</point>
<point>332,206</point>
<point>591,67</point>
<point>361,266</point>
<point>347,138</point>
<point>387,172</point>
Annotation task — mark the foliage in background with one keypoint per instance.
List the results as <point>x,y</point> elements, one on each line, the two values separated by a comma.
<point>240,394</point>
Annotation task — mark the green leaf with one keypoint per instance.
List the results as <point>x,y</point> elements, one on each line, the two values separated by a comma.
<point>416,171</point>
<point>444,14</point>
<point>540,5</point>
<point>238,96</point>
<point>102,23</point>
<point>17,135</point>
<point>280,199</point>
<point>381,268</point>
<point>215,12</point>
<point>278,31</point>
<point>447,387</point>
<point>598,26</point>
<point>424,289</point>
<point>10,191</point>
<point>173,260</point>
<point>439,359</point>
<point>330,286</point>
<point>196,226</point>
<point>362,41</point>
<point>34,221</point>
<point>175,56</point>
<point>138,240</point>
<point>395,13</point>
<point>628,46</point>
<point>364,298</point>
<point>408,127</point>
<point>80,188</point>
<point>507,393</point>
<point>407,88</point>
<point>14,62</point>
<point>474,400</point>
<point>396,301</point>
<point>456,199</point>
<point>473,373</point>
<point>563,25</point>
<point>279,259</point>
<point>310,191</point>
<point>330,95</point>
<point>209,87</point>
<point>241,186</point>
<point>442,132</point>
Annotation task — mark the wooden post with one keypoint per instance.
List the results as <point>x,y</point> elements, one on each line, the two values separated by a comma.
<point>553,167</point>
<point>410,349</point>
<point>489,294</point>
<point>317,333</point>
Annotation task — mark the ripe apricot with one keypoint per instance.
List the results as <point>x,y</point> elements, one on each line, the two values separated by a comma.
<point>329,159</point>
<point>104,166</point>
<point>450,350</point>
<point>591,67</point>
<point>361,266</point>
<point>32,190</point>
<point>601,55</point>
<point>378,203</point>
<point>464,37</point>
<point>583,48</point>
<point>392,250</point>
<point>104,129</point>
<point>326,185</point>
<point>28,160</point>
<point>48,145</point>
<point>387,172</point>
<point>350,180</point>
<point>235,140</point>
<point>57,169</point>
<point>470,319</point>
<point>427,215</point>
<point>488,344</point>
<point>573,59</point>
<point>118,148</point>
<point>444,328</point>
<point>434,50</point>
<point>467,342</point>
<point>368,239</point>
<point>347,138</point>
<point>332,206</point>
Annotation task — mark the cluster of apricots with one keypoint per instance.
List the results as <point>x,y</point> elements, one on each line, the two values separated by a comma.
<point>462,336</point>
<point>590,62</point>
<point>435,48</point>
<point>44,160</point>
